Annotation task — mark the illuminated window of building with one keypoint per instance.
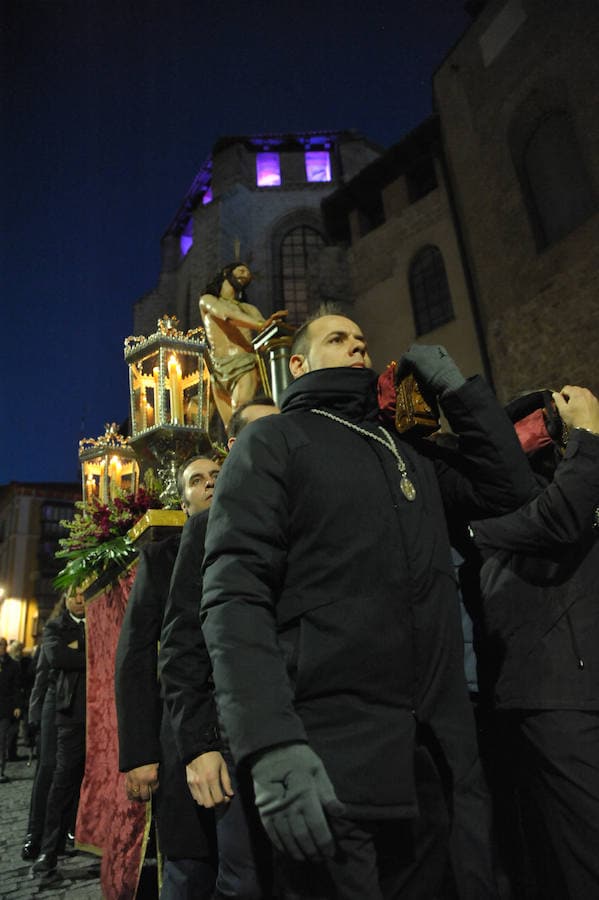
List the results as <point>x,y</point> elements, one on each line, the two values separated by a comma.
<point>298,247</point>
<point>55,512</point>
<point>429,290</point>
<point>558,189</point>
<point>186,238</point>
<point>268,170</point>
<point>318,165</point>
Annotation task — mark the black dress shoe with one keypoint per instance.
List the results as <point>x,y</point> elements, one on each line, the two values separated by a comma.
<point>30,849</point>
<point>44,865</point>
<point>69,848</point>
<point>46,879</point>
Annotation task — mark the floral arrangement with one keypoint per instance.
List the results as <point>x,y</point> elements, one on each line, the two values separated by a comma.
<point>97,535</point>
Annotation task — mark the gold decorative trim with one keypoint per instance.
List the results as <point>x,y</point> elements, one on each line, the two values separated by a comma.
<point>165,518</point>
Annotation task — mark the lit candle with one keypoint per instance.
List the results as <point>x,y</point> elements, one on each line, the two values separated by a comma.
<point>174,377</point>
<point>181,416</point>
<point>143,407</point>
<point>103,491</point>
<point>157,398</point>
<point>114,474</point>
<point>149,415</point>
<point>90,485</point>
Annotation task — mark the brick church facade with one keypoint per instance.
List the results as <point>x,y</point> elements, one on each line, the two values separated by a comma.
<point>478,230</point>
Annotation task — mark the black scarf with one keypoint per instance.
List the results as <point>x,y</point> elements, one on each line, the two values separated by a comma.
<point>349,393</point>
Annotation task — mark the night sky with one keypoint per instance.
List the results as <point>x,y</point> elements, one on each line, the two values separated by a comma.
<point>108,111</point>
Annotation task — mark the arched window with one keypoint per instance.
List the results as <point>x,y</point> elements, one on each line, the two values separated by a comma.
<point>299,247</point>
<point>429,289</point>
<point>559,189</point>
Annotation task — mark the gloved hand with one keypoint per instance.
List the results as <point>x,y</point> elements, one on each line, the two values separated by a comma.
<point>433,367</point>
<point>293,794</point>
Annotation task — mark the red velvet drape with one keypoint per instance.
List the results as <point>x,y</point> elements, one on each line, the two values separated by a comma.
<point>107,822</point>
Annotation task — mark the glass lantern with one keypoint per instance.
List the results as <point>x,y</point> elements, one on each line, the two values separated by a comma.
<point>169,387</point>
<point>168,379</point>
<point>108,465</point>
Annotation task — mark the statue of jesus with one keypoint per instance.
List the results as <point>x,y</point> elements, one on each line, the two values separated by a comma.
<point>230,322</point>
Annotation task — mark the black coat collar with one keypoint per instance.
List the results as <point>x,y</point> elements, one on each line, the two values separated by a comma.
<point>350,393</point>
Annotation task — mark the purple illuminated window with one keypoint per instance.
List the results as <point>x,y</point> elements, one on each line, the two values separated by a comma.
<point>186,238</point>
<point>318,165</point>
<point>207,196</point>
<point>268,169</point>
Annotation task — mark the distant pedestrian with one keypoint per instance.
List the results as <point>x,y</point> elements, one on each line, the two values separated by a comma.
<point>10,709</point>
<point>64,645</point>
<point>42,727</point>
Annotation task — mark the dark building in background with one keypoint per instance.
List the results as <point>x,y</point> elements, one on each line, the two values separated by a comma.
<point>30,515</point>
<point>518,101</point>
<point>478,230</point>
<point>406,266</point>
<point>257,198</point>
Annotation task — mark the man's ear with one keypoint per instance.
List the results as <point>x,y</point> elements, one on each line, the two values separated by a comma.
<point>230,442</point>
<point>298,365</point>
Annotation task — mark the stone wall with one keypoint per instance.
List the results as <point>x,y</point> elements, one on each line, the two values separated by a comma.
<point>538,304</point>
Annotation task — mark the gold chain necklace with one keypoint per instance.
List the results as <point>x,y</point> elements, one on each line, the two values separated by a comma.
<point>407,486</point>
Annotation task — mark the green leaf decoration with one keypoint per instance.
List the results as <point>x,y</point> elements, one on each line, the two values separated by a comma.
<point>97,535</point>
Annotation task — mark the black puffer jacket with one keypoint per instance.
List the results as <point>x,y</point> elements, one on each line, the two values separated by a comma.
<point>64,647</point>
<point>144,725</point>
<point>330,608</point>
<point>41,685</point>
<point>539,626</point>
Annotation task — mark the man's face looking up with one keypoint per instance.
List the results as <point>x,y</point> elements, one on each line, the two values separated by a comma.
<point>334,341</point>
<point>198,485</point>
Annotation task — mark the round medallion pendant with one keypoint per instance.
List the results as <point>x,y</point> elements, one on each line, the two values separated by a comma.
<point>407,488</point>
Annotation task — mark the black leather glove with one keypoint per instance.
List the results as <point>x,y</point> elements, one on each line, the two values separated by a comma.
<point>433,368</point>
<point>293,794</point>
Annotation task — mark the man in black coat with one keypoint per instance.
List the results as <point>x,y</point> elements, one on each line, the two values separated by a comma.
<point>244,867</point>
<point>64,648</point>
<point>538,645</point>
<point>147,751</point>
<point>42,720</point>
<point>331,616</point>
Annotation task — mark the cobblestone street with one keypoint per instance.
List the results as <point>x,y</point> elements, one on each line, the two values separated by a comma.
<point>81,872</point>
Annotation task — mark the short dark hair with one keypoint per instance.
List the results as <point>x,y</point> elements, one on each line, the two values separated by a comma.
<point>301,338</point>
<point>237,422</point>
<point>182,468</point>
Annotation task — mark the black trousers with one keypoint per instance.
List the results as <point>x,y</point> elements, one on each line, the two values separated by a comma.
<point>244,851</point>
<point>66,782</point>
<point>44,772</point>
<point>380,860</point>
<point>545,774</point>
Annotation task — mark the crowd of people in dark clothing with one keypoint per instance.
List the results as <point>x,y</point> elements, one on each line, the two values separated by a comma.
<point>46,697</point>
<point>367,668</point>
